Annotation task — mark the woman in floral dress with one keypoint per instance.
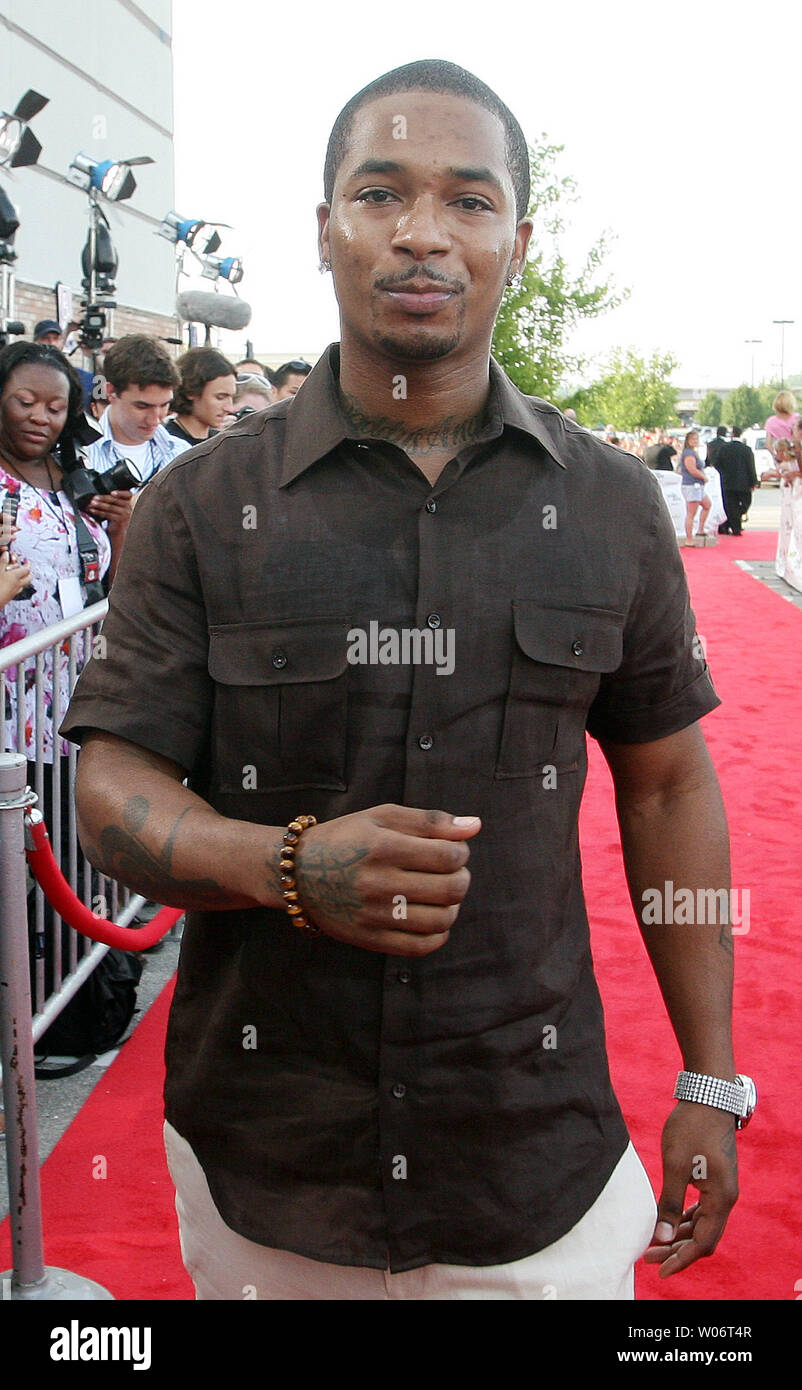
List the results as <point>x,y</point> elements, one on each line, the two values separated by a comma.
<point>40,399</point>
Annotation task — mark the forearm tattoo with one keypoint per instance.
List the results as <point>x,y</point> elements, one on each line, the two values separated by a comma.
<point>122,854</point>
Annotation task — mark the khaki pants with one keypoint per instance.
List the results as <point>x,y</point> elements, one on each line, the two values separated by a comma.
<point>594,1260</point>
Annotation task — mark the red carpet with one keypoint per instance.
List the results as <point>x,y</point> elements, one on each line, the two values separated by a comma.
<point>754,648</point>
<point>122,1230</point>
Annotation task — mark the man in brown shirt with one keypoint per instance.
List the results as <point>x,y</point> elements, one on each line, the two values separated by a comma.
<point>410,587</point>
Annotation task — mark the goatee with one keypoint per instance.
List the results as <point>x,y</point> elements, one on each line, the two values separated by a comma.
<point>418,349</point>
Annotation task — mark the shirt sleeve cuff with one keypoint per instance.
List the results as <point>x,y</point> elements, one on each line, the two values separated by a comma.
<point>646,725</point>
<point>176,742</point>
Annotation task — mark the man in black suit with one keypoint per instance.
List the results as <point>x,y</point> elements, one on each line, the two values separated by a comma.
<point>736,465</point>
<point>716,445</point>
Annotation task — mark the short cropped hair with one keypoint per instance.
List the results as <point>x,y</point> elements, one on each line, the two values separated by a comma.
<point>433,75</point>
<point>278,378</point>
<point>137,360</point>
<point>198,367</point>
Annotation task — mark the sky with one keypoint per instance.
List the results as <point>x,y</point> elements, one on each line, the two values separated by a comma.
<point>680,125</point>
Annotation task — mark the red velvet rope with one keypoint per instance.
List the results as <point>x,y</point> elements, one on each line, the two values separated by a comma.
<point>76,914</point>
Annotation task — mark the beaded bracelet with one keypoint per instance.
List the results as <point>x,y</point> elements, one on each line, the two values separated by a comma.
<point>292,835</point>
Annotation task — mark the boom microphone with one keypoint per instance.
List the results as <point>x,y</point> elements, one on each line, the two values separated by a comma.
<point>213,310</point>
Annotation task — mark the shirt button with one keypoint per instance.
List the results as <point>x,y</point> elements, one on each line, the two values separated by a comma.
<point>433,620</point>
<point>425,742</point>
<point>279,658</point>
<point>405,976</point>
<point>577,648</point>
<point>399,1090</point>
<point>431,505</point>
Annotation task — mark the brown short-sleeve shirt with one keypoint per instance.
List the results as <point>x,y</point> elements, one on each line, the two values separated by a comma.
<point>305,624</point>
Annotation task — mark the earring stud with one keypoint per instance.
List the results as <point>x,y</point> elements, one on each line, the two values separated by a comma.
<point>515,280</point>
<point>324,267</point>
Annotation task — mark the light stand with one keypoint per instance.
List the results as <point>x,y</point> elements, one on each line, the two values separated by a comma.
<point>19,148</point>
<point>9,222</point>
<point>111,178</point>
<point>99,263</point>
<point>184,232</point>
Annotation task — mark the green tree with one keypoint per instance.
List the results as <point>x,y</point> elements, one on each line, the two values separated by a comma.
<point>534,322</point>
<point>743,407</point>
<point>766,391</point>
<point>634,393</point>
<point>709,410</point>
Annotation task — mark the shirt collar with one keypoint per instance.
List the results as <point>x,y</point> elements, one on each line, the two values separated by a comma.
<point>316,423</point>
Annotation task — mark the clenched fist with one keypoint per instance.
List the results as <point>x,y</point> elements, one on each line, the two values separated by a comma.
<point>388,879</point>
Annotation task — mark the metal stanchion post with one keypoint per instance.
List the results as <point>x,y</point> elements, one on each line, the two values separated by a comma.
<point>30,1278</point>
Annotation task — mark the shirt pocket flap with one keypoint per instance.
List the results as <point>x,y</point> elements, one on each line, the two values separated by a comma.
<point>584,639</point>
<point>277,654</point>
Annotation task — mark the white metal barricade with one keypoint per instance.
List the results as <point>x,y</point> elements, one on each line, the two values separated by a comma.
<point>27,1006</point>
<point>25,664</point>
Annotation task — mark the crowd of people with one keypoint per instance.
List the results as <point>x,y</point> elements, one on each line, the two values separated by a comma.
<point>137,413</point>
<point>60,542</point>
<point>732,458</point>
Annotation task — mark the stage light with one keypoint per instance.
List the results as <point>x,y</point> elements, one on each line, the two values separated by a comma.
<point>9,221</point>
<point>176,228</point>
<point>18,145</point>
<point>226,268</point>
<point>111,177</point>
<point>18,148</point>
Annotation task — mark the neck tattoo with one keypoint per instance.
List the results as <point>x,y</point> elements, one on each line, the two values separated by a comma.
<point>449,433</point>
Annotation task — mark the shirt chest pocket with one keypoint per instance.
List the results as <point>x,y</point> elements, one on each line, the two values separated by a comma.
<point>559,656</point>
<point>281,705</point>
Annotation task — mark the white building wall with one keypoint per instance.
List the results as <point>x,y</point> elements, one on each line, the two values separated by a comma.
<point>106,66</point>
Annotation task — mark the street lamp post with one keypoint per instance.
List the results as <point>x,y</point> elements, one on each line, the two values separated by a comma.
<point>752,342</point>
<point>781,323</point>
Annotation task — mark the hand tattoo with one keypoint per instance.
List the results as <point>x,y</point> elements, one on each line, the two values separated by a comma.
<point>326,878</point>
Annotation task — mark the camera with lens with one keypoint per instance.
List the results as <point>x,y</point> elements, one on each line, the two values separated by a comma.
<point>81,484</point>
<point>92,327</point>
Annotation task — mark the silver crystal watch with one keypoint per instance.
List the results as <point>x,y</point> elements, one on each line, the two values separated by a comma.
<point>739,1097</point>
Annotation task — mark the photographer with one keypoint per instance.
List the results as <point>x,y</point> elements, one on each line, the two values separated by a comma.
<point>140,379</point>
<point>40,407</point>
